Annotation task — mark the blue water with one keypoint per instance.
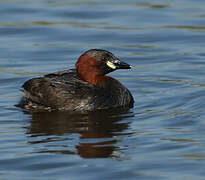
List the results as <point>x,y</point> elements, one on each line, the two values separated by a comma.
<point>162,137</point>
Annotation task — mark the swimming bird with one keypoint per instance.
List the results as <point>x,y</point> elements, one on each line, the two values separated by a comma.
<point>86,88</point>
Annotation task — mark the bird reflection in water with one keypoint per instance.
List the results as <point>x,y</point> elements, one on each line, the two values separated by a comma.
<point>98,132</point>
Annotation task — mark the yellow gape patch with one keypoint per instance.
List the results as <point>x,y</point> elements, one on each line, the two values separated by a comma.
<point>111,65</point>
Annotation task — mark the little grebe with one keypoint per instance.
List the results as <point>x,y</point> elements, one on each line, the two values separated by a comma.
<point>85,88</point>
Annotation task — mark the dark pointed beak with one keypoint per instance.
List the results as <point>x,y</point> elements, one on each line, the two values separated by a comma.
<point>121,65</point>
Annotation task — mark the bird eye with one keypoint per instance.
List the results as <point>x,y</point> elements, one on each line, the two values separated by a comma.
<point>116,61</point>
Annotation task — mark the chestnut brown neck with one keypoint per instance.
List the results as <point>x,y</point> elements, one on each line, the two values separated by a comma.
<point>88,69</point>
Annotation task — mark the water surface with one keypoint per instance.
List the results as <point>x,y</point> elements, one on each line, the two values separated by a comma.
<point>162,137</point>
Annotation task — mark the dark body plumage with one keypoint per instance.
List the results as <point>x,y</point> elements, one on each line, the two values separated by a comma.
<point>86,88</point>
<point>64,90</point>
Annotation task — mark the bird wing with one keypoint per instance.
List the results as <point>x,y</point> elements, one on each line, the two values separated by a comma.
<point>59,90</point>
